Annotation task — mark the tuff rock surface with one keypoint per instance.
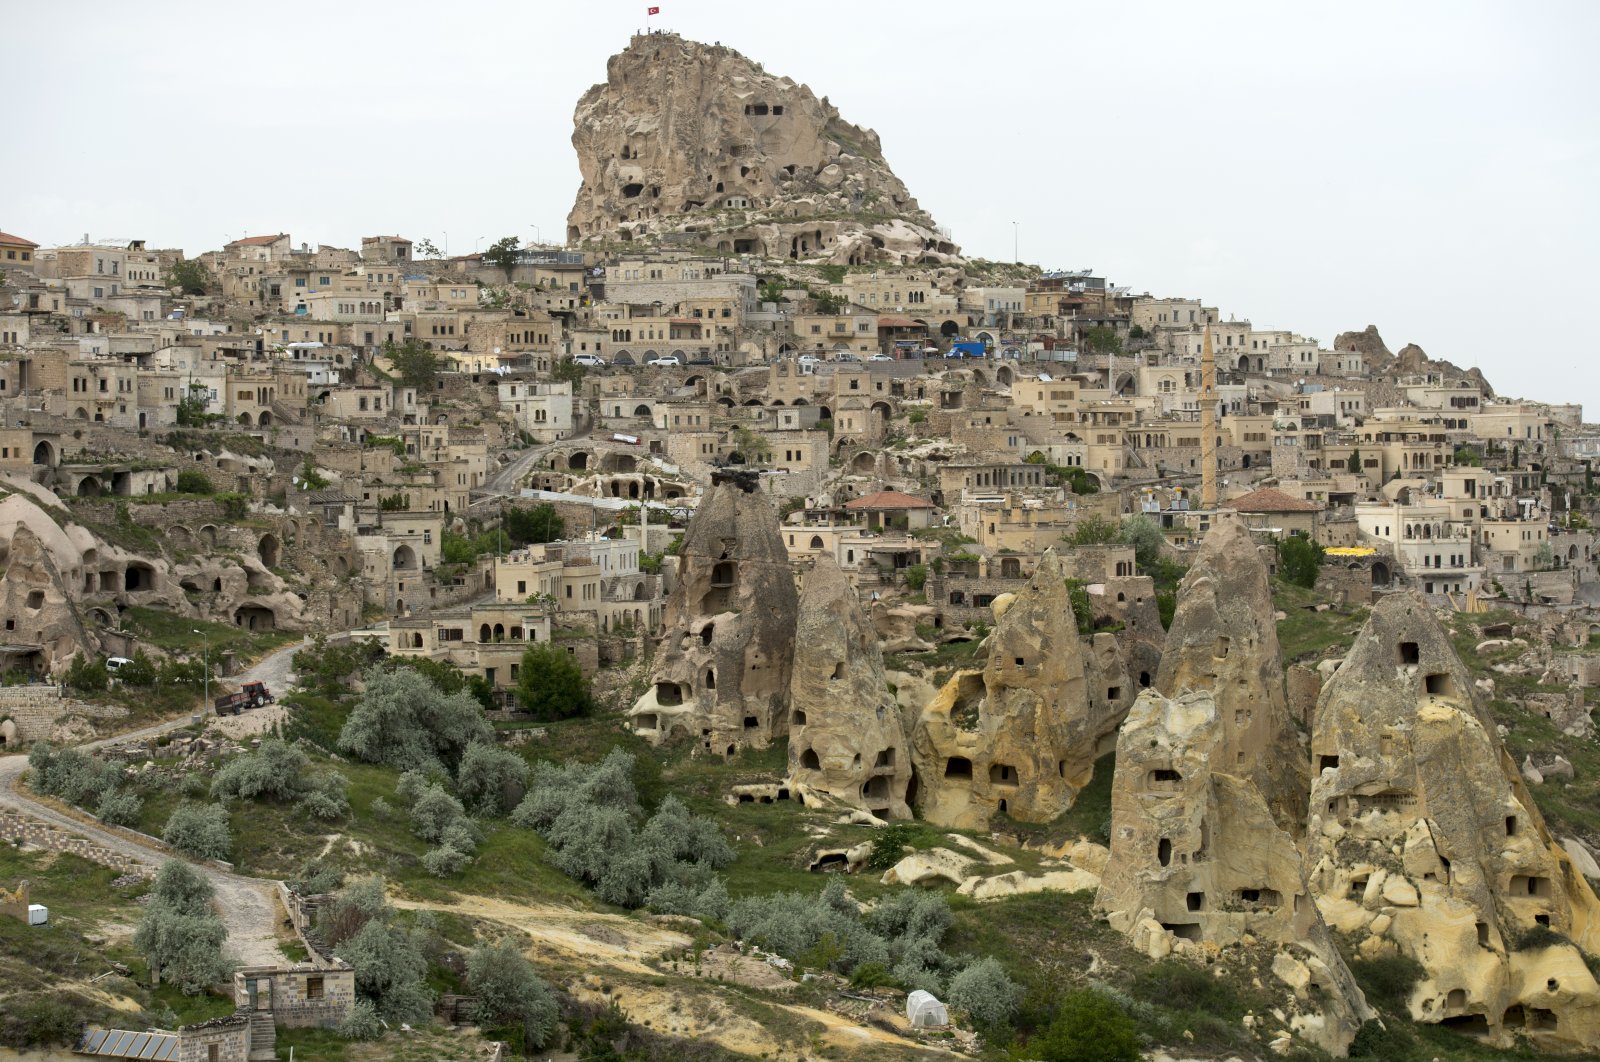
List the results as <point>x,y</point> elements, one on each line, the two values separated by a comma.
<point>1021,736</point>
<point>1423,838</point>
<point>846,740</point>
<point>685,137</point>
<point>1223,639</point>
<point>1198,862</point>
<point>722,667</point>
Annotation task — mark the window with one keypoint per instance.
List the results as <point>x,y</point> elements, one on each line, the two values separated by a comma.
<point>313,988</point>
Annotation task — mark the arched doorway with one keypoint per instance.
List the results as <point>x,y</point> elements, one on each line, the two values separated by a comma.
<point>405,558</point>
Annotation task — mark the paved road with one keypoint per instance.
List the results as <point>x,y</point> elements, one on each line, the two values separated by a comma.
<point>509,478</point>
<point>248,905</point>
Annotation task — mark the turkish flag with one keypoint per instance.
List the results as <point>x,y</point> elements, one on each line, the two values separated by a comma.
<point>652,11</point>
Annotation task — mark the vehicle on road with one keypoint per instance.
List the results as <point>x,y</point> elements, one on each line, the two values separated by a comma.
<point>702,359</point>
<point>588,361</point>
<point>666,361</point>
<point>250,695</point>
<point>881,357</point>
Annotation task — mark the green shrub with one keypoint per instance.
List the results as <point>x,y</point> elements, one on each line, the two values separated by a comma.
<point>1375,1040</point>
<point>916,577</point>
<point>270,772</point>
<point>551,685</point>
<point>404,721</point>
<point>1176,984</point>
<point>362,1023</point>
<point>191,481</point>
<point>35,1021</point>
<point>200,830</point>
<point>86,676</point>
<point>1088,1027</point>
<point>1299,560</point>
<point>986,992</point>
<point>508,991</point>
<point>491,780</point>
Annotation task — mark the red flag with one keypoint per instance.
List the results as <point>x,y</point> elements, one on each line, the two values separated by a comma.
<point>652,11</point>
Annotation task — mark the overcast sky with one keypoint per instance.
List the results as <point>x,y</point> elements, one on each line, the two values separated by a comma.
<point>1431,168</point>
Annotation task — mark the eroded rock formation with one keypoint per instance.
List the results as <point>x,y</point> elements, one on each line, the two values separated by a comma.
<point>1197,861</point>
<point>695,138</point>
<point>722,669</point>
<point>1223,639</point>
<point>1423,838</point>
<point>1021,736</point>
<point>845,737</point>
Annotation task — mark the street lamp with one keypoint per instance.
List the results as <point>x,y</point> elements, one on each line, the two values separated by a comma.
<point>537,237</point>
<point>1015,255</point>
<point>205,662</point>
<point>475,243</point>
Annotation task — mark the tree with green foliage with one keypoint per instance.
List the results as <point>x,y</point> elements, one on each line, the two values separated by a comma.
<point>414,362</point>
<point>1141,532</point>
<point>426,248</point>
<point>510,992</point>
<point>570,372</point>
<point>86,675</point>
<point>504,254</point>
<point>1092,530</point>
<point>916,577</point>
<point>1102,340</point>
<point>191,481</point>
<point>1352,463</point>
<point>491,780</point>
<point>200,830</point>
<point>1088,1027</point>
<point>551,685</point>
<point>1082,607</point>
<point>534,525</point>
<point>179,935</point>
<point>190,276</point>
<point>986,992</point>
<point>391,970</point>
<point>403,720</point>
<point>772,291</point>
<point>310,478</point>
<point>271,772</point>
<point>1299,559</point>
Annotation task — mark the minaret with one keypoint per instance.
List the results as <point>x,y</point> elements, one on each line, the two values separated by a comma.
<point>1208,425</point>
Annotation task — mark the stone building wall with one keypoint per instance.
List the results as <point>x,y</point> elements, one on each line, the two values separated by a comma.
<point>35,710</point>
<point>300,995</point>
<point>231,1036</point>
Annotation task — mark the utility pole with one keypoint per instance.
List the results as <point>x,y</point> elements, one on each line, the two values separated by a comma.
<point>205,663</point>
<point>1015,255</point>
<point>1208,424</point>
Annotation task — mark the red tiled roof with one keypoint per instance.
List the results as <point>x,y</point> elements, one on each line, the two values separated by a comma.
<point>6,237</point>
<point>889,499</point>
<point>1268,500</point>
<point>258,241</point>
<point>899,322</point>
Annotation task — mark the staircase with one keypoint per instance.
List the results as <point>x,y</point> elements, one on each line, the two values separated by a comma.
<point>263,1037</point>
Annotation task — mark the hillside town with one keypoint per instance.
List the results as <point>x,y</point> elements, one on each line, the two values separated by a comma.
<point>961,543</point>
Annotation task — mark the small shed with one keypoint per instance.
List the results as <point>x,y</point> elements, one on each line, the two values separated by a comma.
<point>924,1011</point>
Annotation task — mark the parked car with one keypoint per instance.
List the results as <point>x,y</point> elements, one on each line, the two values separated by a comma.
<point>117,663</point>
<point>702,359</point>
<point>846,357</point>
<point>588,361</point>
<point>881,357</point>
<point>666,361</point>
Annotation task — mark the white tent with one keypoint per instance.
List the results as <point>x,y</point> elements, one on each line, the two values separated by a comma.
<point>923,1011</point>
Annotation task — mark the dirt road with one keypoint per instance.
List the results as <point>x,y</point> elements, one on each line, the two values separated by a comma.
<point>248,905</point>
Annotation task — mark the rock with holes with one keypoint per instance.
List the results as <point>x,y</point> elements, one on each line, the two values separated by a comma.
<point>1223,639</point>
<point>1196,850</point>
<point>845,735</point>
<point>685,137</point>
<point>1423,837</point>
<point>721,673</point>
<point>1021,736</point>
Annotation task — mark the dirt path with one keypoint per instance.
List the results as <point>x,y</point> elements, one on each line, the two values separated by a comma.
<point>596,941</point>
<point>249,906</point>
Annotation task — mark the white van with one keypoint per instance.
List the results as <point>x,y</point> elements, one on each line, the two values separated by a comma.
<point>588,361</point>
<point>117,663</point>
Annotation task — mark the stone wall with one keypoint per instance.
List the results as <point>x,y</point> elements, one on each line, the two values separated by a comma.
<point>36,709</point>
<point>231,1035</point>
<point>15,828</point>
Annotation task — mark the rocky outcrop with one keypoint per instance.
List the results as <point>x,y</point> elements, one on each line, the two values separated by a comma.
<point>723,664</point>
<point>1367,342</point>
<point>1424,839</point>
<point>38,605</point>
<point>691,138</point>
<point>1411,359</point>
<point>1021,736</point>
<point>845,737</point>
<point>1198,862</point>
<point>1223,639</point>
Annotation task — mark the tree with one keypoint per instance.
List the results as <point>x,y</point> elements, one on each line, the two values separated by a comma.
<point>192,482</point>
<point>492,780</point>
<point>1102,339</point>
<point>1352,464</point>
<point>986,992</point>
<point>1141,532</point>
<point>1298,560</point>
<point>537,524</point>
<point>428,249</point>
<point>189,275</point>
<point>1091,531</point>
<point>551,685</point>
<point>568,371</point>
<point>403,720</point>
<point>1088,1027</point>
<point>391,970</point>
<point>509,991</point>
<point>180,936</point>
<point>504,254</point>
<point>87,676</point>
<point>200,830</point>
<point>270,772</point>
<point>413,362</point>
